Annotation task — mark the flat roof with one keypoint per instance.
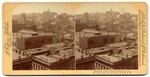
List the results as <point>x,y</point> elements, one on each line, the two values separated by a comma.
<point>118,44</point>
<point>29,33</point>
<point>109,58</point>
<point>16,56</point>
<point>90,30</point>
<point>79,54</point>
<point>48,59</point>
<point>97,50</point>
<point>61,44</point>
<point>63,50</point>
<point>130,52</point>
<point>35,50</point>
<point>92,34</point>
<point>118,57</point>
<point>134,38</point>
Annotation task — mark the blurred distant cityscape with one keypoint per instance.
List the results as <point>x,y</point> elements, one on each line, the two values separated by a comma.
<point>44,22</point>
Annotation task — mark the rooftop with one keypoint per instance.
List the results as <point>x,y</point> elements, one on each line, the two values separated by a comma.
<point>35,50</point>
<point>91,52</point>
<point>95,33</point>
<point>79,55</point>
<point>30,33</point>
<point>48,59</point>
<point>16,56</point>
<point>61,44</point>
<point>120,44</point>
<point>57,48</point>
<point>97,50</point>
<point>113,58</point>
<point>90,30</point>
<point>133,38</point>
<point>109,58</point>
<point>27,31</point>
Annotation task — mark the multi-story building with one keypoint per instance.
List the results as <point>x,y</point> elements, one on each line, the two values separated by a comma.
<point>28,39</point>
<point>21,62</point>
<point>85,63</point>
<point>52,62</point>
<point>85,58</point>
<point>60,56</point>
<point>90,38</point>
<point>124,59</point>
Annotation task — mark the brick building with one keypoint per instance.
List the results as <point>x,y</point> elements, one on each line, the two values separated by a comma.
<point>28,39</point>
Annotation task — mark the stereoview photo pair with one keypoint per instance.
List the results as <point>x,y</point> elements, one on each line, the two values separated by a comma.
<point>75,38</point>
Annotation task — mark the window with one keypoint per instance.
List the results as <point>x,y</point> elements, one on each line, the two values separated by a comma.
<point>42,41</point>
<point>49,40</point>
<point>105,40</point>
<point>91,43</point>
<point>28,43</point>
<point>15,43</point>
<point>112,40</point>
<point>38,67</point>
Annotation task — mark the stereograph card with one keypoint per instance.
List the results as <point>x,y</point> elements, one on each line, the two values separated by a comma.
<point>79,38</point>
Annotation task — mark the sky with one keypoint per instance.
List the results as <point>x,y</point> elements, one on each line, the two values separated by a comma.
<point>103,7</point>
<point>78,8</point>
<point>40,7</point>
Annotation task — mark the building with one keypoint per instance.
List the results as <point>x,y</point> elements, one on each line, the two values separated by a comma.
<point>84,62</point>
<point>52,62</point>
<point>110,15</point>
<point>131,40</point>
<point>28,39</point>
<point>59,57</point>
<point>90,38</point>
<point>85,59</point>
<point>124,59</point>
<point>21,62</point>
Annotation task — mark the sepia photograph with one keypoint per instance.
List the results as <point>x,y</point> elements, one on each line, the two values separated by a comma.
<point>106,37</point>
<point>43,37</point>
<point>75,38</point>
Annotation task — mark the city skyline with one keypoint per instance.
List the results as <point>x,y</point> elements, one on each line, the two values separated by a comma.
<point>40,7</point>
<point>77,8</point>
<point>103,7</point>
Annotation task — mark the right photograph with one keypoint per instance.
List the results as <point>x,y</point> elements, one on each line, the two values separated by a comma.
<point>106,36</point>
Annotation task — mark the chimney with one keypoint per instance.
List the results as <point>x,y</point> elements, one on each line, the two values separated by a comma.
<point>126,55</point>
<point>19,57</point>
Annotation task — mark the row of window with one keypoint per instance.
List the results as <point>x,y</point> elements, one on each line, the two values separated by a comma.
<point>14,43</point>
<point>101,66</point>
<point>105,40</point>
<point>38,67</point>
<point>42,41</point>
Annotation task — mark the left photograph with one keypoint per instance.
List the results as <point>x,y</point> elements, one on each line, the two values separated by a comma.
<point>43,37</point>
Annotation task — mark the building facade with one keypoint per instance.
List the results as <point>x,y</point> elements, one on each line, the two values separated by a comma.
<point>27,39</point>
<point>61,64</point>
